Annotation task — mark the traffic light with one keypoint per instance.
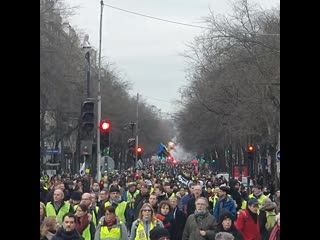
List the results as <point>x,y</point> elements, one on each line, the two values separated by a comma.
<point>139,152</point>
<point>104,126</point>
<point>250,148</point>
<point>101,184</point>
<point>250,151</point>
<point>87,119</point>
<point>105,137</point>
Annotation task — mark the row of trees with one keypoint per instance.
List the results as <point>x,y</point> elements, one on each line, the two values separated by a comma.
<point>63,89</point>
<point>233,95</point>
<point>232,98</point>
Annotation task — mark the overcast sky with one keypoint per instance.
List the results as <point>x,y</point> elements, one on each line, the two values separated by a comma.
<point>146,51</point>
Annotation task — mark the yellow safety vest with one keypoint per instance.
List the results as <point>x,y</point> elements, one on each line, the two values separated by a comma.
<point>140,232</point>
<point>244,205</point>
<point>50,210</point>
<point>261,199</point>
<point>213,199</point>
<point>114,233</point>
<point>172,195</point>
<point>86,234</point>
<point>129,197</point>
<point>120,209</point>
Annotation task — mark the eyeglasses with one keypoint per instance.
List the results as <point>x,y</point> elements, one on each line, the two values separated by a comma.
<point>146,210</point>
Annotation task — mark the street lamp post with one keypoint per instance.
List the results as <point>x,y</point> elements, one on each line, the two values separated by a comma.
<point>99,100</point>
<point>87,47</point>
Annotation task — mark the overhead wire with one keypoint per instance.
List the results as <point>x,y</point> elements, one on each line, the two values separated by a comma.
<point>156,18</point>
<point>179,23</point>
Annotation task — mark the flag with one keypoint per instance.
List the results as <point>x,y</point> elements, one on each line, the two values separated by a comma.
<point>160,149</point>
<point>81,171</point>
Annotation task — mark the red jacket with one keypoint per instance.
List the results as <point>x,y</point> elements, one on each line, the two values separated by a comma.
<point>246,225</point>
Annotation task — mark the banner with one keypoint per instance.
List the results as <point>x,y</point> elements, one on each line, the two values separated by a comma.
<point>182,180</point>
<point>81,171</point>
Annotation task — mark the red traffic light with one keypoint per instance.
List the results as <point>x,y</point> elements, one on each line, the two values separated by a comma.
<point>104,126</point>
<point>139,150</point>
<point>250,148</point>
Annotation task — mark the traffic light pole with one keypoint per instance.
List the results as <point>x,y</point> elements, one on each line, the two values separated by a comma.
<point>99,100</point>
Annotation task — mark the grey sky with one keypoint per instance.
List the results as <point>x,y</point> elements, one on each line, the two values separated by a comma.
<point>146,51</point>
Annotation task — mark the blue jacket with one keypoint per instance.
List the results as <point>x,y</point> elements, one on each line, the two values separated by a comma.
<point>228,205</point>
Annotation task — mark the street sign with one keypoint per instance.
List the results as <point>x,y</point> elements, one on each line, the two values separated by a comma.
<point>278,155</point>
<point>52,151</point>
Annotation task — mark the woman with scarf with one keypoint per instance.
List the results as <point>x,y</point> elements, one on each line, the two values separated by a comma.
<point>201,223</point>
<point>84,225</point>
<point>110,226</point>
<point>248,222</point>
<point>146,221</point>
<point>165,215</point>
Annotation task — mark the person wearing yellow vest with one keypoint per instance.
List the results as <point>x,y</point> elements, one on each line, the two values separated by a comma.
<point>146,221</point>
<point>130,197</point>
<point>84,224</point>
<point>258,194</point>
<point>266,192</point>
<point>86,200</point>
<point>116,201</point>
<point>168,188</point>
<point>267,218</point>
<point>110,227</point>
<point>58,207</point>
<point>213,198</point>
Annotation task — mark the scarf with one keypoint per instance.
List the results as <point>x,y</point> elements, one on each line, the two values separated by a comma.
<point>165,219</point>
<point>82,223</point>
<point>110,222</point>
<point>115,203</point>
<point>199,216</point>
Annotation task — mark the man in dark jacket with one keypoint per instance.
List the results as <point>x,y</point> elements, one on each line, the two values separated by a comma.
<point>141,199</point>
<point>67,231</point>
<point>226,224</point>
<point>158,233</point>
<point>235,193</point>
<point>179,220</point>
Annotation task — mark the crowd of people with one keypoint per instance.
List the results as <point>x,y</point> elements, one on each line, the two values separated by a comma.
<point>156,203</point>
